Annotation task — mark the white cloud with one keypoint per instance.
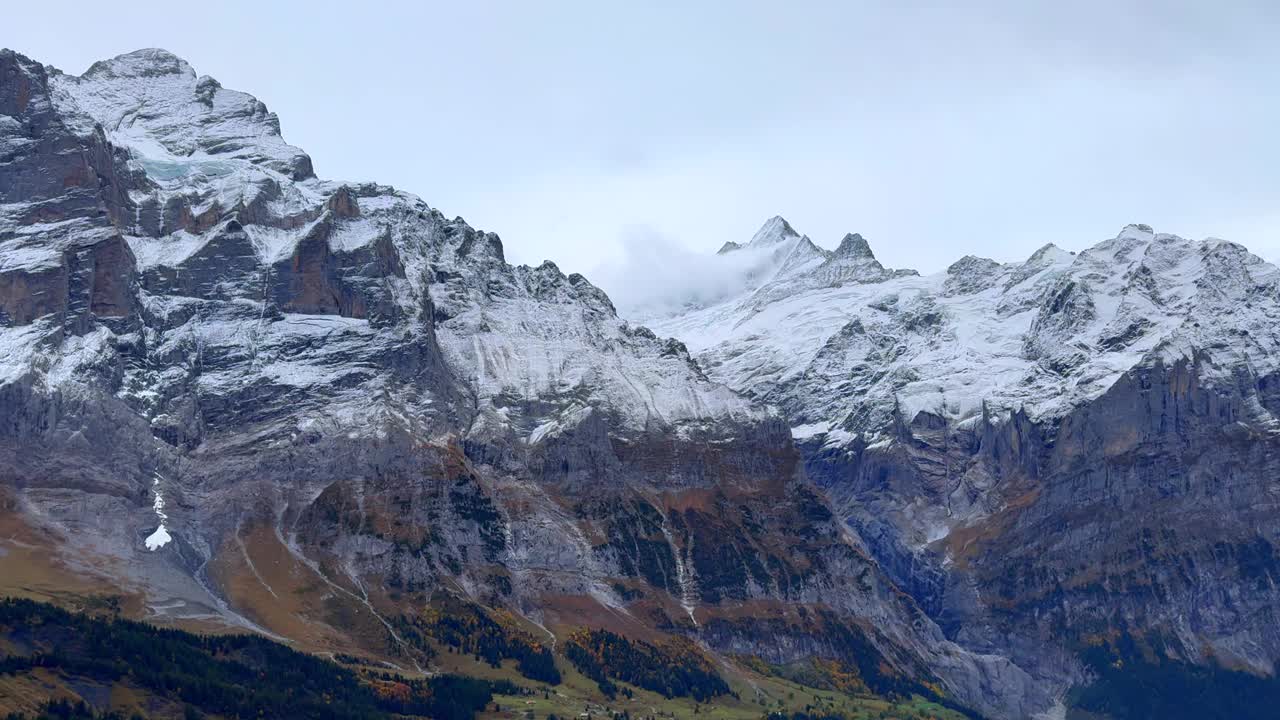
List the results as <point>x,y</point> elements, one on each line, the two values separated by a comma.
<point>655,276</point>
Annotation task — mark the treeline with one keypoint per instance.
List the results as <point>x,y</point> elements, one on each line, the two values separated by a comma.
<point>675,668</point>
<point>471,629</point>
<point>235,676</point>
<point>66,710</point>
<point>1134,678</point>
<point>860,667</point>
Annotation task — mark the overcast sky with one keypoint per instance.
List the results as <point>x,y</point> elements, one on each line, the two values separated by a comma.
<point>584,132</point>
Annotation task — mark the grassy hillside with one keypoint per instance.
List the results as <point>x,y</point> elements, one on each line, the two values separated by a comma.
<point>117,665</point>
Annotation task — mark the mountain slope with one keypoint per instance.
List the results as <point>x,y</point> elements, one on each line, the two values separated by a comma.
<point>1046,454</point>
<point>236,394</point>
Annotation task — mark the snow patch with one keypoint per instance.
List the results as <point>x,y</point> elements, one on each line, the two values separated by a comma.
<point>160,537</point>
<point>804,432</point>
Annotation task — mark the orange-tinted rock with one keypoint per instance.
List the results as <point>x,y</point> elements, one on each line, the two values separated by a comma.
<point>343,203</point>
<point>28,295</point>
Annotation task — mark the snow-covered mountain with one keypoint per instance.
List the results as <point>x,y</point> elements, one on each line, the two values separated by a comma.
<point>232,392</point>
<point>1044,453</point>
<point>210,181</point>
<point>848,347</point>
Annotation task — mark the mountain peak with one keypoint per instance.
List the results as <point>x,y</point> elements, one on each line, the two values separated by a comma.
<point>1048,253</point>
<point>775,230</point>
<point>855,246</point>
<point>971,264</point>
<point>147,62</point>
<point>1137,230</point>
<point>181,118</point>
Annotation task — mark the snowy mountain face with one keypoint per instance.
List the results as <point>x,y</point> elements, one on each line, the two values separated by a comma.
<point>1042,452</point>
<point>232,392</point>
<point>848,348</point>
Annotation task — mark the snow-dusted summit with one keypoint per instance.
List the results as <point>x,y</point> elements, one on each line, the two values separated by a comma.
<point>299,283</point>
<point>845,346</point>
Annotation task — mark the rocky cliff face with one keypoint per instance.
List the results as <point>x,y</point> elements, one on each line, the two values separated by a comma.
<point>1048,454</point>
<point>238,393</point>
